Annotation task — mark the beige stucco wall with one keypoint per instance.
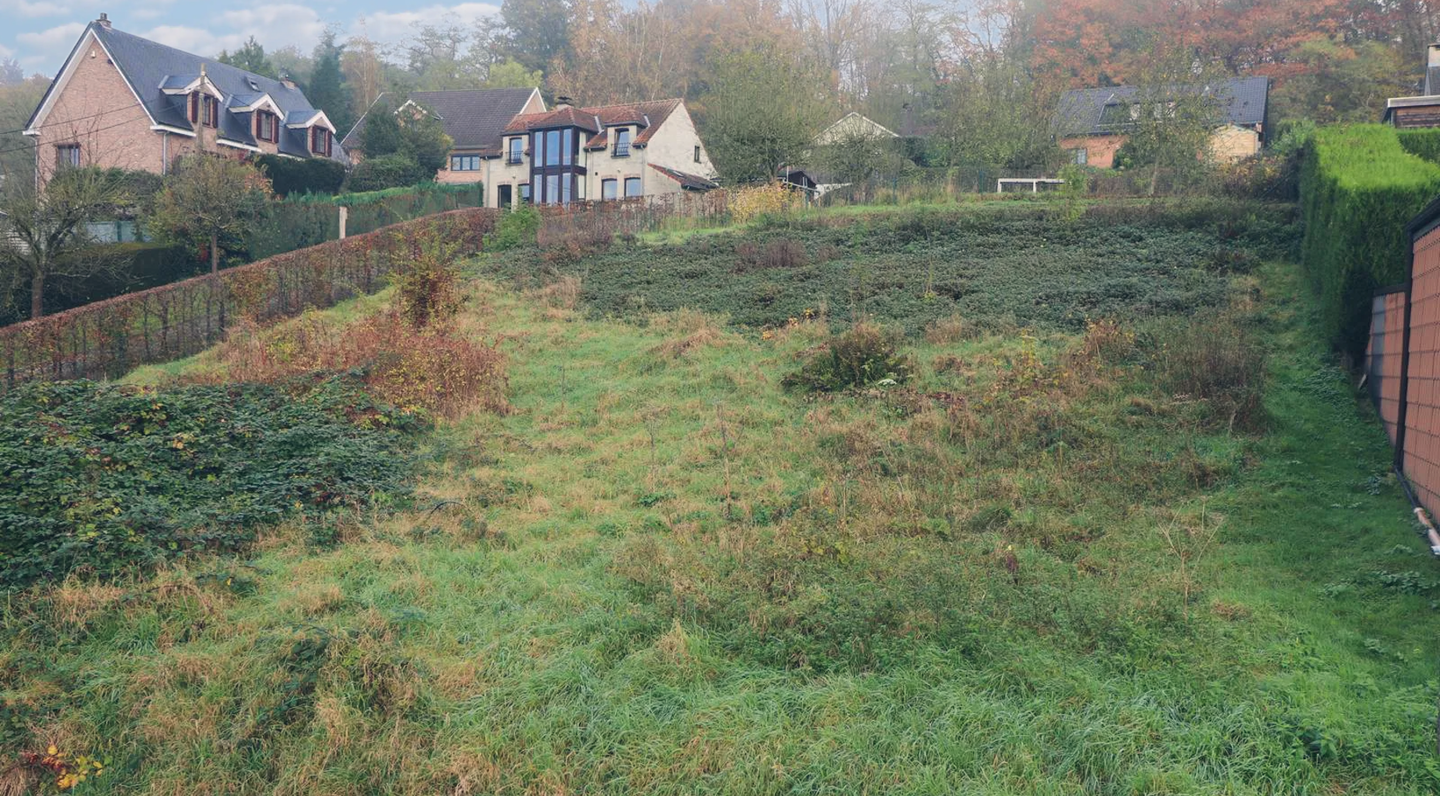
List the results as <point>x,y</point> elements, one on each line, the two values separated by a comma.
<point>671,145</point>
<point>1231,143</point>
<point>852,126</point>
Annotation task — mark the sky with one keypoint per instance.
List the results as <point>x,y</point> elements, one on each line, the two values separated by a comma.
<point>40,33</point>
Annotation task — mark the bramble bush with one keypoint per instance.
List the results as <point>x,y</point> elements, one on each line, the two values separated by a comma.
<point>98,479</point>
<point>860,357</point>
<point>434,369</point>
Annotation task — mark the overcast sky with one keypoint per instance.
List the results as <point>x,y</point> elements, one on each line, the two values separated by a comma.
<point>41,32</point>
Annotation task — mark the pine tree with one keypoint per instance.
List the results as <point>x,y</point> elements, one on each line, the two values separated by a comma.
<point>327,84</point>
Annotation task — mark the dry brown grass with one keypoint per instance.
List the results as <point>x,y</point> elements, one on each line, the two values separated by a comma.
<point>435,369</point>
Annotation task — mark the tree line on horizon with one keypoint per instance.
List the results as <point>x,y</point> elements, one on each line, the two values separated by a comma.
<point>979,78</point>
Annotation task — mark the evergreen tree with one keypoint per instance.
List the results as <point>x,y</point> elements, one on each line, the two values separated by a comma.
<point>251,58</point>
<point>327,84</point>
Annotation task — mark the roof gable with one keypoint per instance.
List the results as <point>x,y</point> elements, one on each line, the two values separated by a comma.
<point>1243,103</point>
<point>473,118</point>
<point>159,75</point>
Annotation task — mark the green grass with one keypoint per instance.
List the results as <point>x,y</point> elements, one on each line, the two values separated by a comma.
<point>667,575</point>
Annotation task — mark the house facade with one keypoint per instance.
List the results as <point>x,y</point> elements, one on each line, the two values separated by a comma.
<point>474,119</point>
<point>1424,110</point>
<point>525,153</point>
<point>121,101</point>
<point>1093,124</point>
<point>605,153</point>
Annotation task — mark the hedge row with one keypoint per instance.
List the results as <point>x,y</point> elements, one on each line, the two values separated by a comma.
<point>309,219</point>
<point>108,338</point>
<point>1358,188</point>
<point>1421,143</point>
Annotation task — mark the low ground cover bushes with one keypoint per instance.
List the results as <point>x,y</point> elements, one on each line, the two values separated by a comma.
<point>995,266</point>
<point>101,480</point>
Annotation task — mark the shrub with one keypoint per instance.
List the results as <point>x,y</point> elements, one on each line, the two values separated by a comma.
<point>771,199</point>
<point>387,171</point>
<point>860,357</point>
<point>101,479</point>
<point>1359,187</point>
<point>1217,361</point>
<point>514,229</point>
<point>309,176</point>
<point>423,270</point>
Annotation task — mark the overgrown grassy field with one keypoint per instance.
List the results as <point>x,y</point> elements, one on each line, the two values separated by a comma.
<point>1053,560</point>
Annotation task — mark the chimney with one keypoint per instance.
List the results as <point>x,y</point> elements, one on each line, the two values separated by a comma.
<point>286,81</point>
<point>104,20</point>
<point>1432,63</point>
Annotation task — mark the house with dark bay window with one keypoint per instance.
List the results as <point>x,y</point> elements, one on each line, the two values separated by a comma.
<point>122,101</point>
<point>611,152</point>
<point>523,152</point>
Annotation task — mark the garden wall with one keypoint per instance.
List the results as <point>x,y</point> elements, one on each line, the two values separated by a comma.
<point>1403,361</point>
<point>108,338</point>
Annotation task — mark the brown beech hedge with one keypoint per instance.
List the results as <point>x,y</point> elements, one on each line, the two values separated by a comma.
<point>108,338</point>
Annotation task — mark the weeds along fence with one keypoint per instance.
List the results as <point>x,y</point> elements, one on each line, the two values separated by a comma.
<point>108,338</point>
<point>588,222</point>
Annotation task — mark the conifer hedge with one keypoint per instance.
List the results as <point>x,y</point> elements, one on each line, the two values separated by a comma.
<point>1359,187</point>
<point>1421,143</point>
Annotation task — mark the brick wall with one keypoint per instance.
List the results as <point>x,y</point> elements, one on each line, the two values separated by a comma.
<point>1382,356</point>
<point>1421,454</point>
<point>97,110</point>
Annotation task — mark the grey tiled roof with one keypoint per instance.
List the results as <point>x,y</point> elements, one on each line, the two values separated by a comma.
<point>150,66</point>
<point>473,118</point>
<point>1082,112</point>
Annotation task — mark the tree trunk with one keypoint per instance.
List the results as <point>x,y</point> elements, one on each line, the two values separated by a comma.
<point>37,296</point>
<point>1155,177</point>
<point>214,253</point>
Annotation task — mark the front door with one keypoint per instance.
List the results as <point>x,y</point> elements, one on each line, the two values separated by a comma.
<point>504,198</point>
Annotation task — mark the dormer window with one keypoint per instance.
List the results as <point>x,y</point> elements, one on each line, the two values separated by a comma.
<point>320,141</point>
<point>204,109</point>
<point>267,127</point>
<point>622,142</point>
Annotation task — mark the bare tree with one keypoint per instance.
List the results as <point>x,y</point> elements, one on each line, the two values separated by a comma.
<point>41,230</point>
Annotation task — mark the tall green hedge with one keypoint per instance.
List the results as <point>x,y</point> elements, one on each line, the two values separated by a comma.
<point>1359,187</point>
<point>1421,143</point>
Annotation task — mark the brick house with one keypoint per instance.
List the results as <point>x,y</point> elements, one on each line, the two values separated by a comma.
<point>631,150</point>
<point>121,101</point>
<point>1092,124</point>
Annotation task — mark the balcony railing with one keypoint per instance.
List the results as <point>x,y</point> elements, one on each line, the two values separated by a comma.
<point>622,150</point>
<point>513,159</point>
